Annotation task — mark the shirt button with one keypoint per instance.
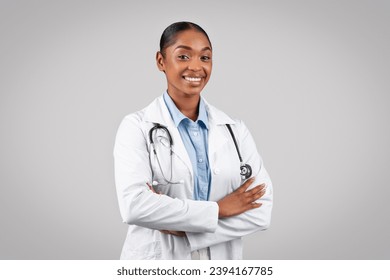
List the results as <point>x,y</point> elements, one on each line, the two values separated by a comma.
<point>217,170</point>
<point>195,133</point>
<point>200,160</point>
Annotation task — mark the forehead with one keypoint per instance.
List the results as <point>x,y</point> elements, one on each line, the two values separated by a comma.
<point>194,39</point>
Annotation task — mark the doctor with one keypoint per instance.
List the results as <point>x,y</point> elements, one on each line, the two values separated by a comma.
<point>190,182</point>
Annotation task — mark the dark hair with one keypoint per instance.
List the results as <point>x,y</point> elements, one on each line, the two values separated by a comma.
<point>169,35</point>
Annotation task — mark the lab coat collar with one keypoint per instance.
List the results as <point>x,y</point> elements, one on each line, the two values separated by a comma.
<point>157,112</point>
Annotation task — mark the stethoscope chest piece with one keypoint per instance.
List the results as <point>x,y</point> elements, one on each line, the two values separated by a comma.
<point>245,171</point>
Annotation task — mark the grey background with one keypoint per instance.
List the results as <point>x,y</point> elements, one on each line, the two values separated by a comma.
<point>309,78</point>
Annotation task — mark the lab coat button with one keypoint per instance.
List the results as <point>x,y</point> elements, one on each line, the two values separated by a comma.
<point>217,170</point>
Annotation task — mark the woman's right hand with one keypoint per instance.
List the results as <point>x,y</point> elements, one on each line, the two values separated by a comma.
<point>241,200</point>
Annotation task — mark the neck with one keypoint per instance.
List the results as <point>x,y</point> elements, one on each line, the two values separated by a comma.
<point>188,105</point>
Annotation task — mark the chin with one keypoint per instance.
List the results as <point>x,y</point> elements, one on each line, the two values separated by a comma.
<point>185,90</point>
<point>192,92</point>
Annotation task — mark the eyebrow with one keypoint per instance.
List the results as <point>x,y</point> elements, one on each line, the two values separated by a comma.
<point>189,48</point>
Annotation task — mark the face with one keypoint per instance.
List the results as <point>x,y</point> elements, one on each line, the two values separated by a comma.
<point>187,64</point>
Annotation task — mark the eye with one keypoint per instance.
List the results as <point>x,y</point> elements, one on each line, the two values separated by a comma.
<point>183,57</point>
<point>205,58</point>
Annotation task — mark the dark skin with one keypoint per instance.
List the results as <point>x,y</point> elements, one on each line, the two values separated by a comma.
<point>187,65</point>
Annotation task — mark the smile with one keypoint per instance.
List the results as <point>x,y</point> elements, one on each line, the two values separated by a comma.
<point>193,79</point>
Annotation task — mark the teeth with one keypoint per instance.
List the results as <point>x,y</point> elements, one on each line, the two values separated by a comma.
<point>192,79</point>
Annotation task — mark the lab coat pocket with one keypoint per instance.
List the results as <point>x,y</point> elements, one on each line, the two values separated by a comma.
<point>174,189</point>
<point>169,175</point>
<point>165,167</point>
<point>142,251</point>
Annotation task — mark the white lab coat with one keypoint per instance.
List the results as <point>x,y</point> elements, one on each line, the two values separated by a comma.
<point>174,209</point>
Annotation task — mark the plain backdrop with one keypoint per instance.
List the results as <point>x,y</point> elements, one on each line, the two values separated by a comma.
<point>309,78</point>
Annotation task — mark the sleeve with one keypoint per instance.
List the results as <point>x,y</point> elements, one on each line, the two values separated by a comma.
<point>249,221</point>
<point>138,205</point>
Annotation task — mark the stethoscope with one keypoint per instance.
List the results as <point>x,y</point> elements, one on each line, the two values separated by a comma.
<point>245,169</point>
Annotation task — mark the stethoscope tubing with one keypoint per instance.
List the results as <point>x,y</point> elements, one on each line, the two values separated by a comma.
<point>245,169</point>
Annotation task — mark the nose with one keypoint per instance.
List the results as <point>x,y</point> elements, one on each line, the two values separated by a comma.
<point>195,65</point>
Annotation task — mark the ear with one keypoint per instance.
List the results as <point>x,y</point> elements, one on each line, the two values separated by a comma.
<point>160,61</point>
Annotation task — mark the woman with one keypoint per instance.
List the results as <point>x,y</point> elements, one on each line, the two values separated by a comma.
<point>177,165</point>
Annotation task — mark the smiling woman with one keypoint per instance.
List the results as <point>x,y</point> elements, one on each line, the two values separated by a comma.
<point>186,61</point>
<point>183,169</point>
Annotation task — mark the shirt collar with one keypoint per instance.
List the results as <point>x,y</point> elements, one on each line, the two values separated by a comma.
<point>178,116</point>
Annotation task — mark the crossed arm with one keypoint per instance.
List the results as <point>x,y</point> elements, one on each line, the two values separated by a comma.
<point>233,204</point>
<point>205,223</point>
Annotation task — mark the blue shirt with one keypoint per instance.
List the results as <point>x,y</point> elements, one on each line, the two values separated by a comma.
<point>195,138</point>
